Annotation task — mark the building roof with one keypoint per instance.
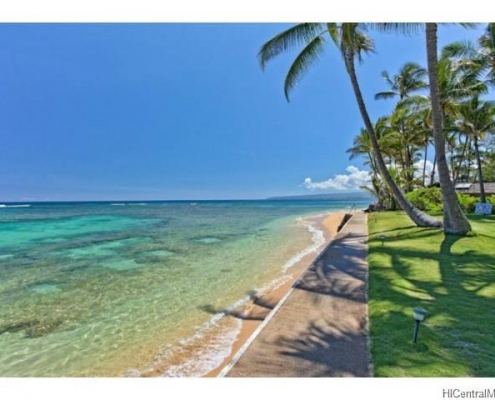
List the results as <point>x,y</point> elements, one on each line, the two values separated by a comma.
<point>474,188</point>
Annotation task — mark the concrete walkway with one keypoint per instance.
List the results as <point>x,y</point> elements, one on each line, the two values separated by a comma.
<point>320,329</point>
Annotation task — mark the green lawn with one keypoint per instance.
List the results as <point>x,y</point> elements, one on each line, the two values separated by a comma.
<point>453,278</point>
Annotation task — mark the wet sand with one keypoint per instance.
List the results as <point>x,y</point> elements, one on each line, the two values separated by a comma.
<point>259,307</point>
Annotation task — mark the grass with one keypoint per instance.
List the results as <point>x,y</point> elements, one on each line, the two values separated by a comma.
<point>453,278</point>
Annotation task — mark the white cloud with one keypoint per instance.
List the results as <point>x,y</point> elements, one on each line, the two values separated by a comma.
<point>418,170</point>
<point>353,180</point>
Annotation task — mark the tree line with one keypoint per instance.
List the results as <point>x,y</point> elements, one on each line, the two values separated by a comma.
<point>440,106</point>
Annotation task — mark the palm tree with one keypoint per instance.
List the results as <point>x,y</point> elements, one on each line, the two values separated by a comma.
<point>481,57</point>
<point>477,120</point>
<point>456,82</point>
<point>352,42</point>
<point>410,79</point>
<point>420,123</point>
<point>362,146</point>
<point>454,220</point>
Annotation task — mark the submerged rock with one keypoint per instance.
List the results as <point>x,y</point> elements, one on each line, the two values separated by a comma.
<point>208,240</point>
<point>46,288</point>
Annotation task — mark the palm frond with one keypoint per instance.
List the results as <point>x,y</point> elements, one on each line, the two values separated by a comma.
<point>460,50</point>
<point>386,76</point>
<point>303,62</point>
<point>487,40</point>
<point>385,95</point>
<point>415,104</point>
<point>333,31</point>
<point>352,41</point>
<point>402,28</point>
<point>468,25</point>
<point>290,38</point>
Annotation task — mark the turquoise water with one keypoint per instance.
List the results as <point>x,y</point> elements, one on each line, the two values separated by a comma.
<point>99,289</point>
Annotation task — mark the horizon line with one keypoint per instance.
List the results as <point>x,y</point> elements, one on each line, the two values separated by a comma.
<point>180,200</point>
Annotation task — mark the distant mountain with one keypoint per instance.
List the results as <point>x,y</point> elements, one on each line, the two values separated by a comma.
<point>328,196</point>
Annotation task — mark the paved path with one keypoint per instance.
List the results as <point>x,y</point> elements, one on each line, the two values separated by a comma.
<point>320,329</point>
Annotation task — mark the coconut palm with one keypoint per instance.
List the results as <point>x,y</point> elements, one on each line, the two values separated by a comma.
<point>362,146</point>
<point>420,123</point>
<point>410,79</point>
<point>477,121</point>
<point>411,135</point>
<point>480,56</point>
<point>454,220</point>
<point>456,83</point>
<point>352,43</point>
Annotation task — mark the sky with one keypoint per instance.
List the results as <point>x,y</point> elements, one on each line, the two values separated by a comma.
<point>180,111</point>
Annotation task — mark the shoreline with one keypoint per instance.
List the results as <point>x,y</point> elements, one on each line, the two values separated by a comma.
<point>223,338</point>
<point>260,307</point>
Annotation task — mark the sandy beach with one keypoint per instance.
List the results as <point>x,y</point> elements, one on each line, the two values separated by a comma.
<point>258,308</point>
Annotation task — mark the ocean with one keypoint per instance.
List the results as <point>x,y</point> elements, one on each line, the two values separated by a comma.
<point>127,288</point>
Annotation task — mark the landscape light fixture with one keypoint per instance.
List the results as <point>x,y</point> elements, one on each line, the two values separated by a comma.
<point>419,316</point>
<point>382,238</point>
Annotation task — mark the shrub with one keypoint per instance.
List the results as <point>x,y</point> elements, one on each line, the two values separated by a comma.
<point>430,200</point>
<point>426,199</point>
<point>467,202</point>
<point>491,199</point>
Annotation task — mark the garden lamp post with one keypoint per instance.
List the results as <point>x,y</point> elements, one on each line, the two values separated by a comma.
<point>419,316</point>
<point>382,238</point>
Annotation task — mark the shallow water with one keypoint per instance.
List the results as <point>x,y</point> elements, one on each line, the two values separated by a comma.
<point>95,289</point>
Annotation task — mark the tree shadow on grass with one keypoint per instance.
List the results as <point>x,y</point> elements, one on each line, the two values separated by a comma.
<point>475,217</point>
<point>459,329</point>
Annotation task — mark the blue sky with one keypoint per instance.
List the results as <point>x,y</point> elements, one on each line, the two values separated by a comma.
<point>176,111</point>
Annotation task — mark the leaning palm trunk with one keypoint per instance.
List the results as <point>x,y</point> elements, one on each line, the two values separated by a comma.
<point>417,216</point>
<point>454,220</point>
<point>480,172</point>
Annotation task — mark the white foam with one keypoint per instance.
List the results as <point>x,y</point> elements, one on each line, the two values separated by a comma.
<point>117,204</point>
<point>15,206</point>
<point>318,239</point>
<point>219,348</point>
<point>207,358</point>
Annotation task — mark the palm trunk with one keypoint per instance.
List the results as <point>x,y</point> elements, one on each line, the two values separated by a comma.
<point>433,170</point>
<point>411,168</point>
<point>372,165</point>
<point>461,160</point>
<point>480,173</point>
<point>417,216</point>
<point>469,166</point>
<point>454,220</point>
<point>407,159</point>
<point>424,164</point>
